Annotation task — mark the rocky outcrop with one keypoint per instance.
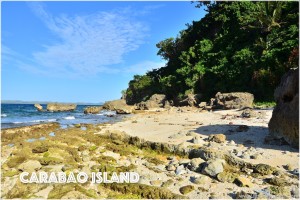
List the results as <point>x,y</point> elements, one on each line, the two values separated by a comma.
<point>119,106</point>
<point>285,118</point>
<point>92,109</point>
<point>38,107</point>
<point>192,100</point>
<point>60,107</point>
<point>155,101</point>
<point>233,100</point>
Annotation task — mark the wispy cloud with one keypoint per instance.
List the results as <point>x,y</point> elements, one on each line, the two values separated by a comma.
<point>87,44</point>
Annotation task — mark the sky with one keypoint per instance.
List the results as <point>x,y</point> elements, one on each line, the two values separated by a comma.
<point>83,51</point>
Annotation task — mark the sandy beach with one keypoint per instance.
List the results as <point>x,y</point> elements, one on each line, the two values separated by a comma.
<point>156,144</point>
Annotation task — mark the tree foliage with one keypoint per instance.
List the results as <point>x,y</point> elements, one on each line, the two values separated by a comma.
<point>237,46</point>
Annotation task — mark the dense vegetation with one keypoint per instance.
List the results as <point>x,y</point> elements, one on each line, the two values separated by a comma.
<point>237,46</point>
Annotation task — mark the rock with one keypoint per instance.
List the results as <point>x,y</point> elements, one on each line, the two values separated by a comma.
<point>180,170</point>
<point>168,183</point>
<point>186,189</point>
<point>248,113</point>
<point>233,100</point>
<point>60,107</point>
<point>156,182</point>
<point>92,109</point>
<point>38,107</point>
<point>171,168</point>
<point>285,118</point>
<point>202,105</point>
<point>196,139</point>
<point>296,172</point>
<point>264,169</point>
<point>295,192</point>
<point>192,100</point>
<point>213,167</point>
<point>243,195</point>
<point>30,166</point>
<point>195,163</point>
<point>219,138</point>
<point>155,101</point>
<point>243,182</point>
<point>278,181</point>
<point>200,179</point>
<point>40,149</point>
<point>288,167</point>
<point>119,106</point>
<point>227,177</point>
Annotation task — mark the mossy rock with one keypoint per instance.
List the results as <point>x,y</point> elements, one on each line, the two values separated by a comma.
<point>186,189</point>
<point>167,183</point>
<point>264,169</point>
<point>50,161</point>
<point>59,191</point>
<point>23,191</point>
<point>46,154</point>
<point>280,191</point>
<point>82,148</point>
<point>154,160</point>
<point>10,173</point>
<point>143,191</point>
<point>93,148</point>
<point>118,142</point>
<point>104,160</point>
<point>40,149</point>
<point>15,161</point>
<point>227,177</point>
<point>278,181</point>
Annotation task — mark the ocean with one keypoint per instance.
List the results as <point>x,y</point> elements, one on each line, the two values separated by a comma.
<point>17,115</point>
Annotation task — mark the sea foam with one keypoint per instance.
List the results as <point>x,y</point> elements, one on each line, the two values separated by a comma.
<point>69,117</point>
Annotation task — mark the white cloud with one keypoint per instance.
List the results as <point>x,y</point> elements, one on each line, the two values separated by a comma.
<point>87,44</point>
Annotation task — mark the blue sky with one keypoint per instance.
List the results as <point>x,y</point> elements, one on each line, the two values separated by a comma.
<point>83,51</point>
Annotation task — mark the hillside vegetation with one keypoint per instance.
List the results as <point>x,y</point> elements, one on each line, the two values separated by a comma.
<point>237,46</point>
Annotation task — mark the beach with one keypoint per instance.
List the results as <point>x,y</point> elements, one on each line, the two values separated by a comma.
<point>179,152</point>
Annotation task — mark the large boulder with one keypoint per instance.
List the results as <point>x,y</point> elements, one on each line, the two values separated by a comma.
<point>285,118</point>
<point>191,100</point>
<point>38,107</point>
<point>155,101</point>
<point>60,107</point>
<point>232,100</point>
<point>92,109</point>
<point>119,106</point>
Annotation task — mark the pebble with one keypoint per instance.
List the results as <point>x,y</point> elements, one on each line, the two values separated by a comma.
<point>196,140</point>
<point>180,170</point>
<point>171,168</point>
<point>156,182</point>
<point>232,142</point>
<point>296,172</point>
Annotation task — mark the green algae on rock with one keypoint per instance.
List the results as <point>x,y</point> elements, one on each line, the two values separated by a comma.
<point>186,189</point>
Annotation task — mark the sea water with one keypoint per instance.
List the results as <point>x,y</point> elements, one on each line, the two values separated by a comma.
<point>17,115</point>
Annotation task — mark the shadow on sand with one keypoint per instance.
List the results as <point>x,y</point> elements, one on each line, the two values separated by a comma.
<point>249,136</point>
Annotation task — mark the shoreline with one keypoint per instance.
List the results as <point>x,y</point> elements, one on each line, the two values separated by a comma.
<point>168,148</point>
